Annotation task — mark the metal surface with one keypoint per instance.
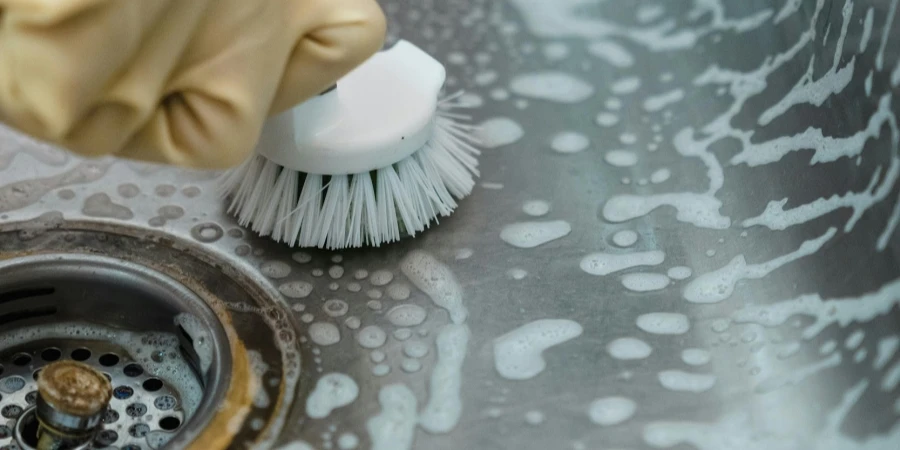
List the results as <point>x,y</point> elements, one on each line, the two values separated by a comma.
<point>777,128</point>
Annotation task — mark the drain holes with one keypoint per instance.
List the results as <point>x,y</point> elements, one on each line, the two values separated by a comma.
<point>109,360</point>
<point>169,423</point>
<point>25,293</point>
<point>51,354</point>
<point>36,374</point>
<point>27,314</point>
<point>31,398</point>
<point>12,384</point>
<point>153,384</point>
<point>81,354</point>
<point>139,430</point>
<point>110,416</point>
<point>127,447</point>
<point>11,411</point>
<point>165,403</point>
<point>106,438</point>
<point>133,370</point>
<point>22,359</point>
<point>5,432</point>
<point>123,392</point>
<point>136,409</point>
<point>27,429</point>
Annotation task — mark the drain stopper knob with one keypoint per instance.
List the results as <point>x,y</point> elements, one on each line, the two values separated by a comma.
<point>72,398</point>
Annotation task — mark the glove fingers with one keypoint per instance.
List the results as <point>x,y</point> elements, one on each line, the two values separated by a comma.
<point>353,30</point>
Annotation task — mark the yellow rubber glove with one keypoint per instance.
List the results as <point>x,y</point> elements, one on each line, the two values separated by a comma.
<point>186,82</point>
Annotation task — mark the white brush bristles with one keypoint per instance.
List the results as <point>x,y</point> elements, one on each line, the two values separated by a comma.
<point>366,209</point>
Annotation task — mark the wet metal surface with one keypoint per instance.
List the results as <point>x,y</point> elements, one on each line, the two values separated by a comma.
<point>685,236</point>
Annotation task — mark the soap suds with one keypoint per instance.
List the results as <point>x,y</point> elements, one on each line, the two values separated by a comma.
<point>498,132</point>
<point>569,142</point>
<point>332,391</point>
<point>678,380</point>
<point>533,234</point>
<point>629,348</point>
<point>621,158</point>
<point>518,354</point>
<point>606,263</point>
<point>625,238</point>
<point>644,282</point>
<point>610,411</point>
<point>661,101</point>
<point>552,86</point>
<point>536,208</point>
<point>664,323</point>
<point>718,285</point>
<point>395,426</point>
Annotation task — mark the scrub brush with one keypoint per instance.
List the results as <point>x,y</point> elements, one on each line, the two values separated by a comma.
<point>363,164</point>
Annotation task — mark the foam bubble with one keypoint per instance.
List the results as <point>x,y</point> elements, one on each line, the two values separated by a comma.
<point>629,348</point>
<point>553,86</point>
<point>610,411</point>
<point>371,336</point>
<point>664,323</point>
<point>518,354</point>
<point>569,142</point>
<point>533,234</point>
<point>332,391</point>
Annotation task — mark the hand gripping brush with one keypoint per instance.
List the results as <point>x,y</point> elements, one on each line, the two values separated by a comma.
<point>375,158</point>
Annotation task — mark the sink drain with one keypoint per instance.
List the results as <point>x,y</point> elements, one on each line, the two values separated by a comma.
<point>197,356</point>
<point>160,346</point>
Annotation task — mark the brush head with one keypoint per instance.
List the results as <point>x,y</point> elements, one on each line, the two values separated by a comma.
<point>379,114</point>
<point>376,159</point>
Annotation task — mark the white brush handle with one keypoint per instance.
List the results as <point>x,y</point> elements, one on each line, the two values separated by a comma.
<point>380,113</point>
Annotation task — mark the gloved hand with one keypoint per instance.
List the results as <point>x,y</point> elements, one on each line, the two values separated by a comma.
<point>187,82</point>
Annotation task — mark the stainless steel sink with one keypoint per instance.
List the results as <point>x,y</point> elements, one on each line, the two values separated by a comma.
<point>685,236</point>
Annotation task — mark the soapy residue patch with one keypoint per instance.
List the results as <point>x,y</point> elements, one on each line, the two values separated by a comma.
<point>324,333</point>
<point>679,273</point>
<point>536,208</point>
<point>552,86</point>
<point>606,263</point>
<point>612,53</point>
<point>608,411</point>
<point>664,100</point>
<point>100,205</point>
<point>718,285</point>
<point>629,348</point>
<point>395,426</point>
<point>498,132</point>
<point>644,282</point>
<point>796,376</point>
<point>681,381</point>
<point>533,234</point>
<point>841,311</point>
<point>695,356</point>
<point>569,142</point>
<point>518,353</point>
<point>444,407</point>
<point>332,391</point>
<point>621,158</point>
<point>625,85</point>
<point>664,323</point>
<point>625,238</point>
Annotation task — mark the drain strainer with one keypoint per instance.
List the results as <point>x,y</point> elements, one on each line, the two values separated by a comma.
<point>144,409</point>
<point>157,343</point>
<point>196,356</point>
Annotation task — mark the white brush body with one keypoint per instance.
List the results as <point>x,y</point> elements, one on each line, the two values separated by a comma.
<point>359,170</point>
